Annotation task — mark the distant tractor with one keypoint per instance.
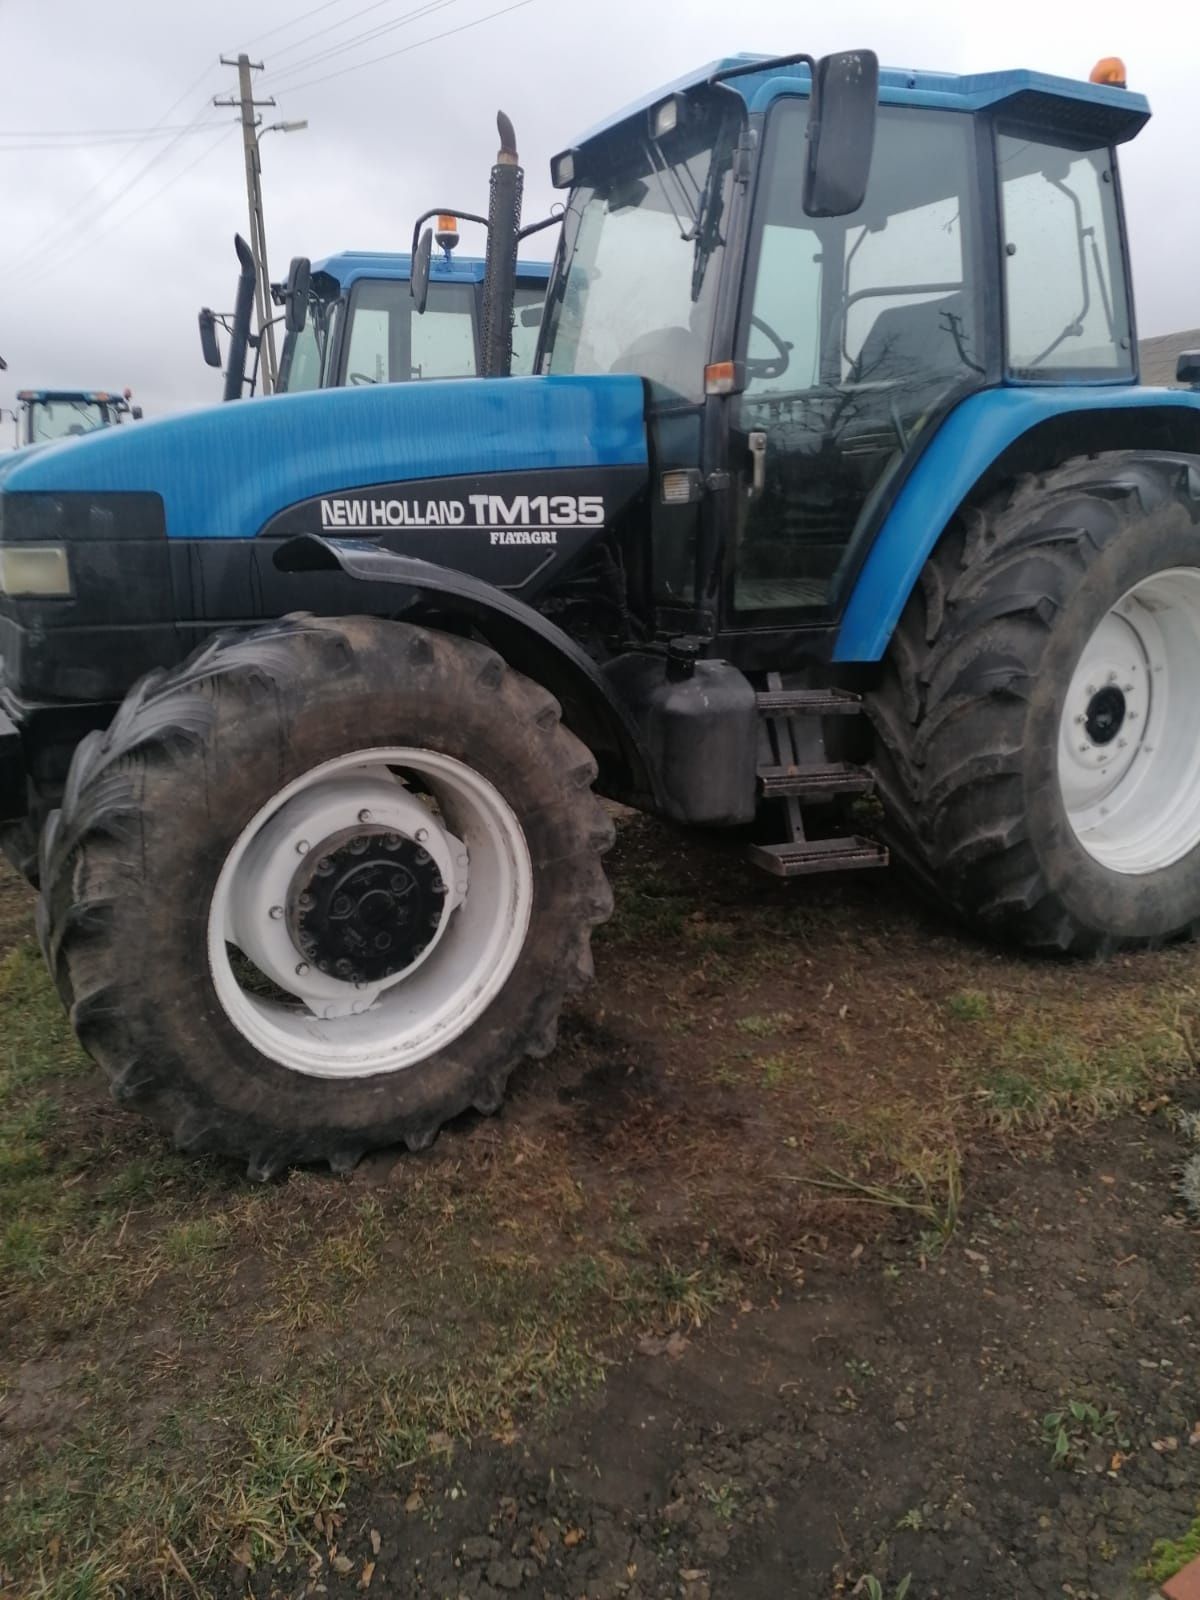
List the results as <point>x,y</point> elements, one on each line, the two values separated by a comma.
<point>835,483</point>
<point>351,320</point>
<point>49,414</point>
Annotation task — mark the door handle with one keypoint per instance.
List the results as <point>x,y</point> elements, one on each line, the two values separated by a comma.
<point>757,444</point>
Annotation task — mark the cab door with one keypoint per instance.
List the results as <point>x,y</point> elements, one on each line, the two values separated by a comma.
<point>855,335</point>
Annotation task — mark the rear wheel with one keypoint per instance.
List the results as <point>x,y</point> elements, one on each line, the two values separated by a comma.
<point>1038,724</point>
<point>322,888</point>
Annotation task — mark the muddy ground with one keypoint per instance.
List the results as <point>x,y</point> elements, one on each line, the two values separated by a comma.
<point>831,1249</point>
<point>882,1419</point>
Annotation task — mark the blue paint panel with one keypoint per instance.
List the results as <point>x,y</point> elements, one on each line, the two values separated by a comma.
<point>976,91</point>
<point>348,266</point>
<point>981,428</point>
<point>222,472</point>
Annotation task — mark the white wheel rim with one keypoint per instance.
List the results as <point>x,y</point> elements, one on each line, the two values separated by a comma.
<point>331,1028</point>
<point>1129,738</point>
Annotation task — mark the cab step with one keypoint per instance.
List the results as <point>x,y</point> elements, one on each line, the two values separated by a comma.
<point>808,702</point>
<point>817,780</point>
<point>801,856</point>
<point>793,770</point>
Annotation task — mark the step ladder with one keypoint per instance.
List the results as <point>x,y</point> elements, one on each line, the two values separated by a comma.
<point>793,771</point>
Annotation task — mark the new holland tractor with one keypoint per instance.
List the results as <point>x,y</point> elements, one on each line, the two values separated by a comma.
<point>835,477</point>
<point>352,319</point>
<point>50,414</point>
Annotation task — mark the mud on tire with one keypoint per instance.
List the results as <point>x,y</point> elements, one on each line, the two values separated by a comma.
<point>968,714</point>
<point>153,806</point>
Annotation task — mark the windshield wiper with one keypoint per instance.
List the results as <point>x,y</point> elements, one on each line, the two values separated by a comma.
<point>691,206</point>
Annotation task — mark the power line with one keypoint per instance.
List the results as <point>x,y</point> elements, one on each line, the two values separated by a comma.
<point>368,34</point>
<point>88,244</point>
<point>354,15</point>
<point>416,45</point>
<point>292,21</point>
<point>53,235</point>
<point>115,139</point>
<point>89,133</point>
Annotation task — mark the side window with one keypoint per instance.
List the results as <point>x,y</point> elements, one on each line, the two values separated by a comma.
<point>529,303</point>
<point>1064,274</point>
<point>787,308</point>
<point>914,260</point>
<point>367,356</point>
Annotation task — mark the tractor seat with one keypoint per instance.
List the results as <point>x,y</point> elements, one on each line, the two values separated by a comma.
<point>910,345</point>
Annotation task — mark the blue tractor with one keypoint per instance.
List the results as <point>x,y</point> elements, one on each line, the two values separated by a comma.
<point>352,319</point>
<point>51,414</point>
<point>835,480</point>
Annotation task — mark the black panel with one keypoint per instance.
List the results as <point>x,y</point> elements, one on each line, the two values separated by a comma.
<point>517,530</point>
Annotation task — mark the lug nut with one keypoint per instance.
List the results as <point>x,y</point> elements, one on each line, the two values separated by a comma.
<point>303,969</point>
<point>325,866</point>
<point>306,902</point>
<point>391,841</point>
<point>302,847</point>
<point>276,913</point>
<point>342,905</point>
<point>421,835</point>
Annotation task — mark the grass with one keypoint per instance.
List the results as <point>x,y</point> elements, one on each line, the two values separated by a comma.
<point>1070,1433</point>
<point>202,1366</point>
<point>1170,1556</point>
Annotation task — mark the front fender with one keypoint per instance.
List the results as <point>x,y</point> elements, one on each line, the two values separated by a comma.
<point>527,641</point>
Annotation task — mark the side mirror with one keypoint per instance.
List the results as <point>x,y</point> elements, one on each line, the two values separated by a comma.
<point>295,299</point>
<point>1187,369</point>
<point>420,271</point>
<point>841,133</point>
<point>136,413</point>
<point>208,338</point>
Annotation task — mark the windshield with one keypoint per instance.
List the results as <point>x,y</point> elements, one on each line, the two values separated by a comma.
<point>60,419</point>
<point>641,250</point>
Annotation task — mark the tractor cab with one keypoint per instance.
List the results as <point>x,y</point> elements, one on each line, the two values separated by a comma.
<point>799,364</point>
<point>50,414</point>
<point>362,326</point>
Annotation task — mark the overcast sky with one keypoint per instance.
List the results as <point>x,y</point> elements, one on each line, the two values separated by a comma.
<point>108,250</point>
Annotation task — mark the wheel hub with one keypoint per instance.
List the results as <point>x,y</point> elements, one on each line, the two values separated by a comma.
<point>366,905</point>
<point>1105,715</point>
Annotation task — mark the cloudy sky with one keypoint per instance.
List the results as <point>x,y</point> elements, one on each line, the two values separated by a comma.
<point>111,240</point>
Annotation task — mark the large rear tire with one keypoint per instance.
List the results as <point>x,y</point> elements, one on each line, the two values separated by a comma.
<point>320,889</point>
<point>1038,722</point>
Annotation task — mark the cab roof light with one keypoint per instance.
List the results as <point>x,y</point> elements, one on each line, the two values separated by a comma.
<point>1110,70</point>
<point>666,116</point>
<point>563,169</point>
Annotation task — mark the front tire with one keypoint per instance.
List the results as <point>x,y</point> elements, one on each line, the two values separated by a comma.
<point>1038,723</point>
<point>319,890</point>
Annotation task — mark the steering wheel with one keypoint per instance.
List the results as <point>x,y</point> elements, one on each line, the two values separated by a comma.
<point>360,377</point>
<point>769,366</point>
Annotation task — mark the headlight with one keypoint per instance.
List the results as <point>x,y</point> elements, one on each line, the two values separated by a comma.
<point>35,569</point>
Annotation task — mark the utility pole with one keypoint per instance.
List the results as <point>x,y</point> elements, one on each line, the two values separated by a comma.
<point>258,237</point>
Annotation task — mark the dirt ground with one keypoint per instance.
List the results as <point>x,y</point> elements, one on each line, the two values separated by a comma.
<point>882,1420</point>
<point>830,1249</point>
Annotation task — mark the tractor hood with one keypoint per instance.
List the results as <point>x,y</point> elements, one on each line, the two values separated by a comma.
<point>228,472</point>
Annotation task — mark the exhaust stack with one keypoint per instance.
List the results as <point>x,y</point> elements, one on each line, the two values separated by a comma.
<point>500,275</point>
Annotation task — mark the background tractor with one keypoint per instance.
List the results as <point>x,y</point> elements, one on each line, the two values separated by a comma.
<point>49,414</point>
<point>352,319</point>
<point>835,479</point>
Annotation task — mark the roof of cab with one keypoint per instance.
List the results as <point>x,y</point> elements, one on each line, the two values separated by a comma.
<point>350,265</point>
<point>88,396</point>
<point>1116,113</point>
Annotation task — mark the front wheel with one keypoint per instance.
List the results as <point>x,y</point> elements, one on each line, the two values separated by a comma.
<point>320,890</point>
<point>1038,724</point>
